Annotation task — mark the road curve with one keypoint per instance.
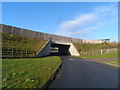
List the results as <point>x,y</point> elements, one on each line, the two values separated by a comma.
<point>82,73</point>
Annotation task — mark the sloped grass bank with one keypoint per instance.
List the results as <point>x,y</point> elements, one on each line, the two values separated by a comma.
<point>92,47</point>
<point>13,42</point>
<point>29,72</point>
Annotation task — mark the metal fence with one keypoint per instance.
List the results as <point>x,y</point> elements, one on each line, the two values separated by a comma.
<point>34,34</point>
<point>6,53</point>
<point>100,52</point>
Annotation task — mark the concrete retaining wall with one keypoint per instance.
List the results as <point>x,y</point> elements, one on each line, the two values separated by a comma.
<point>45,50</point>
<point>73,50</point>
<point>40,35</point>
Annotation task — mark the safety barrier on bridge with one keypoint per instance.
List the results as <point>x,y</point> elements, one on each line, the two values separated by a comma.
<point>34,34</point>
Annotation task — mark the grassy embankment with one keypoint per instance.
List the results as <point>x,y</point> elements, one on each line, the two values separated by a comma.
<point>92,47</point>
<point>28,73</point>
<point>13,42</point>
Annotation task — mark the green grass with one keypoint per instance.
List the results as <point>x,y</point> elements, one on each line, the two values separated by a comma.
<point>92,47</point>
<point>21,43</point>
<point>110,55</point>
<point>115,62</point>
<point>29,72</point>
<point>105,56</point>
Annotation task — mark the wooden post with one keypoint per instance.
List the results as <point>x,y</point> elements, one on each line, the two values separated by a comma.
<point>26,52</point>
<point>106,50</point>
<point>21,53</point>
<point>12,52</point>
<point>115,50</point>
<point>34,54</point>
<point>101,52</point>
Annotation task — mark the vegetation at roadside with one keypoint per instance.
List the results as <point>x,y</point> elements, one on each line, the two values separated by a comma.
<point>28,72</point>
<point>92,47</point>
<point>14,42</point>
<point>105,56</point>
<point>115,62</point>
<point>21,43</point>
<point>110,55</point>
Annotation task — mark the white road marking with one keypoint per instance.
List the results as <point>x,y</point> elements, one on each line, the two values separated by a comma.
<point>71,59</point>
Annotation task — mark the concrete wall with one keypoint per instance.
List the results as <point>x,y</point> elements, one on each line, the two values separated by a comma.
<point>40,35</point>
<point>73,51</point>
<point>45,50</point>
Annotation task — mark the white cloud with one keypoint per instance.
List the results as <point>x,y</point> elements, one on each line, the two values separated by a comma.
<point>84,23</point>
<point>78,21</point>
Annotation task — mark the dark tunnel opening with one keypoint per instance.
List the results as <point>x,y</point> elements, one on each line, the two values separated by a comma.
<point>60,49</point>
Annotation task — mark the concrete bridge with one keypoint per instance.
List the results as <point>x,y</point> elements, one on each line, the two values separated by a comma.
<point>65,44</point>
<point>63,48</point>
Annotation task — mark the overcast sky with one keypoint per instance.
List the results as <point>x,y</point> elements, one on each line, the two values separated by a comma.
<point>88,20</point>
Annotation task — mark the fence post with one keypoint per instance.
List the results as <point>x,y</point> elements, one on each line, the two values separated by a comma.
<point>12,53</point>
<point>21,53</point>
<point>26,52</point>
<point>34,54</point>
<point>7,52</point>
<point>115,50</point>
<point>93,53</point>
<point>107,51</point>
<point>101,52</point>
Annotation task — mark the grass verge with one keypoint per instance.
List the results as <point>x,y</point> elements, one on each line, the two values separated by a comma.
<point>112,62</point>
<point>28,73</point>
<point>110,55</point>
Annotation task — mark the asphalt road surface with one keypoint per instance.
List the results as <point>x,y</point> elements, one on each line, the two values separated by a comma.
<point>82,73</point>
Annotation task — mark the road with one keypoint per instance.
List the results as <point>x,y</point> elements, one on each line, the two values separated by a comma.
<point>82,73</point>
